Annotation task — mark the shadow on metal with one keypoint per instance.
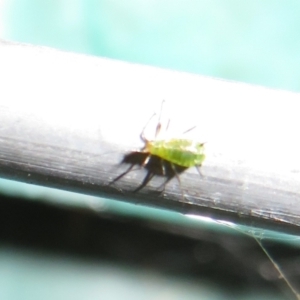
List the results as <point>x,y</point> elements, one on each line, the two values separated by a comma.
<point>155,166</point>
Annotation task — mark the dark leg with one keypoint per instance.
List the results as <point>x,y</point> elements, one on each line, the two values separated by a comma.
<point>179,181</point>
<point>145,181</point>
<point>122,175</point>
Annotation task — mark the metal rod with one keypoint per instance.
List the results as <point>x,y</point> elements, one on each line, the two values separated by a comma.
<point>68,121</point>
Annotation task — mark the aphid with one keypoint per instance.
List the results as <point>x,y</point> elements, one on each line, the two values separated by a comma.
<point>184,153</point>
<point>173,156</point>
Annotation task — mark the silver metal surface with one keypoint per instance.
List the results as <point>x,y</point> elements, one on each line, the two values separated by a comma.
<point>68,121</point>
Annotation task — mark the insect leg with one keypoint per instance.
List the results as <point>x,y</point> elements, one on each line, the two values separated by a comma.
<point>164,173</point>
<point>122,175</point>
<point>178,178</point>
<point>163,167</point>
<point>146,160</point>
<point>145,181</point>
<point>199,171</point>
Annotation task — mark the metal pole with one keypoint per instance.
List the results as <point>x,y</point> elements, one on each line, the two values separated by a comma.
<point>68,121</point>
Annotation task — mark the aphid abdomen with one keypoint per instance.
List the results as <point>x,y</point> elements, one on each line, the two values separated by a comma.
<point>185,153</point>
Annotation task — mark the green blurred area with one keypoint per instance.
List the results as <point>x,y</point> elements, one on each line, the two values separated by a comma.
<point>250,41</point>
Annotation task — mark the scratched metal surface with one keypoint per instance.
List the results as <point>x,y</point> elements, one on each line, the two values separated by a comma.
<point>68,121</point>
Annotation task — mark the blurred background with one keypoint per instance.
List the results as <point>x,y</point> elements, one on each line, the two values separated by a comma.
<point>61,245</point>
<point>250,41</point>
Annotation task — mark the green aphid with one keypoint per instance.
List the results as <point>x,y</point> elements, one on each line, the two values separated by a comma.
<point>181,152</point>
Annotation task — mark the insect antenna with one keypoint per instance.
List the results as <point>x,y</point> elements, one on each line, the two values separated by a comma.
<point>168,124</point>
<point>158,126</point>
<point>190,129</point>
<point>142,135</point>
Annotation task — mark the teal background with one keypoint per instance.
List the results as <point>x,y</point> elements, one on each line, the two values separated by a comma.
<point>250,41</point>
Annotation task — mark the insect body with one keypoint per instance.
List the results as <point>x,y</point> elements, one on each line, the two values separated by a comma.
<point>182,152</point>
<point>171,156</point>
